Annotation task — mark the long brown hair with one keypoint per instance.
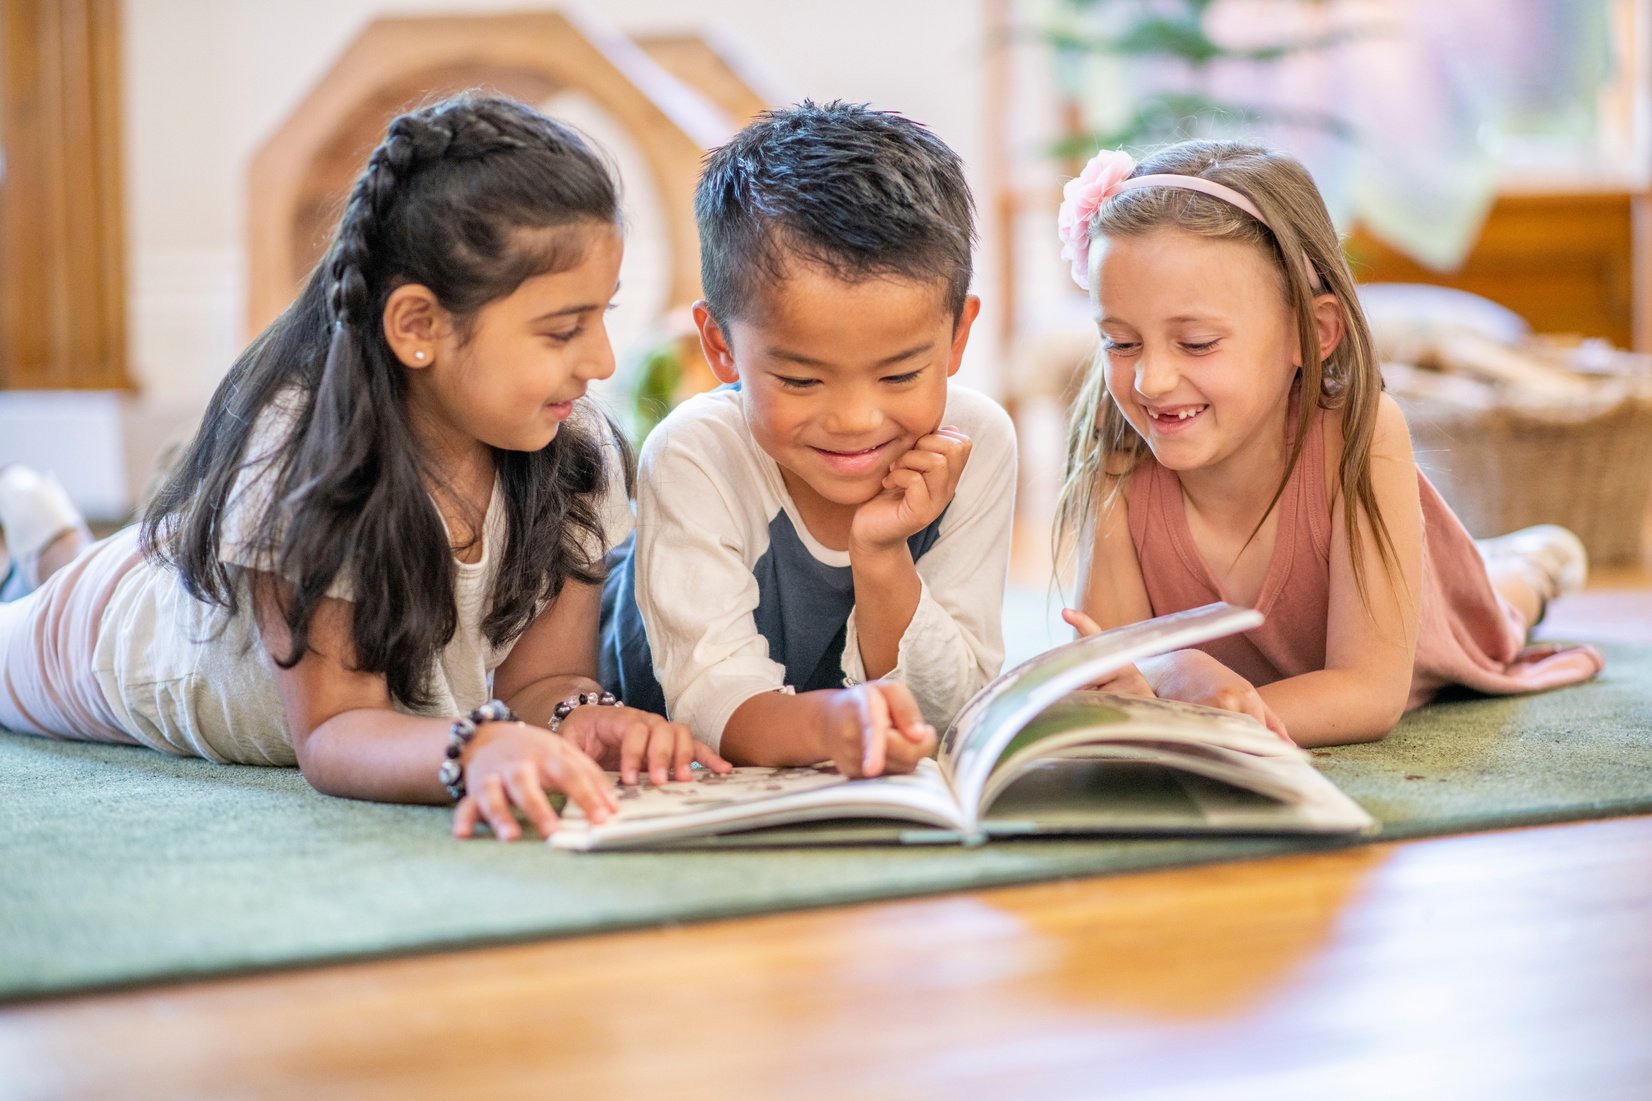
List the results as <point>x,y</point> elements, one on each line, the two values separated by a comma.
<point>1102,447</point>
<point>451,199</point>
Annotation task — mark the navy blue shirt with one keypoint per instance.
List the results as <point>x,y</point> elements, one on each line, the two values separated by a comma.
<point>803,611</point>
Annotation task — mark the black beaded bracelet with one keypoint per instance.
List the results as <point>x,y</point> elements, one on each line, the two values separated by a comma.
<point>452,772</point>
<point>581,699</point>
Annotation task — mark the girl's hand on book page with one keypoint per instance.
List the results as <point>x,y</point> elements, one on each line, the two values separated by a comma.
<point>1128,681</point>
<point>917,488</point>
<point>1081,624</point>
<point>876,727</point>
<point>508,769</point>
<point>1193,676</point>
<point>626,739</point>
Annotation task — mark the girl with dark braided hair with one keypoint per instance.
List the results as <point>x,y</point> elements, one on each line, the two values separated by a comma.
<point>385,543</point>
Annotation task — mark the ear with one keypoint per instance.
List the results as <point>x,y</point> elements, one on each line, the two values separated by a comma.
<point>1330,323</point>
<point>960,333</point>
<point>414,324</point>
<point>714,343</point>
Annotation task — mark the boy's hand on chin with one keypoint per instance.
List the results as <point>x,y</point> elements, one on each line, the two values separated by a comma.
<point>917,488</point>
<point>876,729</point>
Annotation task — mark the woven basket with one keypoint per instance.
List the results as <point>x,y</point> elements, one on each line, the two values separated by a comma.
<point>1586,466</point>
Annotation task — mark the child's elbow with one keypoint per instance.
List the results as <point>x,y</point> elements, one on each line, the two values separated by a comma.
<point>1367,736</point>
<point>311,768</point>
<point>1358,726</point>
<point>312,760</point>
<point>1380,723</point>
<point>1378,705</point>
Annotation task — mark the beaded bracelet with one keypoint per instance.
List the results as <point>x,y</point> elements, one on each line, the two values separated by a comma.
<point>581,699</point>
<point>459,735</point>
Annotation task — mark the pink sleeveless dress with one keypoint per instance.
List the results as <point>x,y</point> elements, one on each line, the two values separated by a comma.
<point>1467,634</point>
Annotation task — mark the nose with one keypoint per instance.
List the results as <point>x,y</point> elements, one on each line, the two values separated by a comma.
<point>1156,375</point>
<point>599,362</point>
<point>854,411</point>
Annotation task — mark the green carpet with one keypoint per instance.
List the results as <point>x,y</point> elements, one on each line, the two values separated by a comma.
<point>122,866</point>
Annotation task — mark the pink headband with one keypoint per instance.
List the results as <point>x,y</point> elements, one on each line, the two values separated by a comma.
<point>1107,175</point>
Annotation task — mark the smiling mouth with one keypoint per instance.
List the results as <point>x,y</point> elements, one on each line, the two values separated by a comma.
<point>1178,415</point>
<point>858,463</point>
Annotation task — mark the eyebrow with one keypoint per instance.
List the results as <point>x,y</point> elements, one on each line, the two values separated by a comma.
<point>1180,319</point>
<point>568,311</point>
<point>808,361</point>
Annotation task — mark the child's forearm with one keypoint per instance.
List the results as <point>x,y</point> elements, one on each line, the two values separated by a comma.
<point>777,730</point>
<point>1336,706</point>
<point>887,590</point>
<point>376,754</point>
<point>534,702</point>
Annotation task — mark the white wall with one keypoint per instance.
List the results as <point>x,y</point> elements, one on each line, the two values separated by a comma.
<point>208,80</point>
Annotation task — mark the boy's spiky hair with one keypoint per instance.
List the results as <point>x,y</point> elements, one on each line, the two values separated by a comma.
<point>863,193</point>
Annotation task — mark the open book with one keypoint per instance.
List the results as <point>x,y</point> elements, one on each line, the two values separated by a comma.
<point>1033,752</point>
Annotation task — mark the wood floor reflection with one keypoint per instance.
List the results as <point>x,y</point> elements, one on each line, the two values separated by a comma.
<point>1494,965</point>
<point>1515,964</point>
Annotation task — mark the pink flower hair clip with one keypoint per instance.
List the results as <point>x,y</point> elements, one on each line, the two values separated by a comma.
<point>1108,174</point>
<point>1081,198</point>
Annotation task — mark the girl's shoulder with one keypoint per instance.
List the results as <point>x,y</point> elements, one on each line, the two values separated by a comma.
<point>252,492</point>
<point>1393,435</point>
<point>1390,440</point>
<point>274,425</point>
<point>1390,436</point>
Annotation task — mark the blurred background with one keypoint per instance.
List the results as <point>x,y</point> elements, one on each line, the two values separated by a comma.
<point>169,170</point>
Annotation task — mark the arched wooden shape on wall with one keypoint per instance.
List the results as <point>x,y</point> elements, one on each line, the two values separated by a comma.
<point>712,66</point>
<point>300,176</point>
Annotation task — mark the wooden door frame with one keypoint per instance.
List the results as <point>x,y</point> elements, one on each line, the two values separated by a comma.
<point>62,224</point>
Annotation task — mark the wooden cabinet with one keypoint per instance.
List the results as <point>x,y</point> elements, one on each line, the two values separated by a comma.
<point>62,237</point>
<point>1568,262</point>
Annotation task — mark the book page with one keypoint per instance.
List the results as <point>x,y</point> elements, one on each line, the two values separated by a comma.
<point>990,721</point>
<point>1276,777</point>
<point>1081,746</point>
<point>1086,717</point>
<point>1125,797</point>
<point>752,797</point>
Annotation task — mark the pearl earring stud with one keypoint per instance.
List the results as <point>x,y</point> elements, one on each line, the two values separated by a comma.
<point>419,356</point>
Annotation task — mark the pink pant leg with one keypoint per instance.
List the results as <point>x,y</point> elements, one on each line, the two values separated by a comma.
<point>48,681</point>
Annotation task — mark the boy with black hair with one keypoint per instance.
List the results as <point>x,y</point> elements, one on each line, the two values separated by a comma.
<point>821,545</point>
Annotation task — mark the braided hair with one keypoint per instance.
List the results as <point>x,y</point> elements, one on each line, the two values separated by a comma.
<point>455,198</point>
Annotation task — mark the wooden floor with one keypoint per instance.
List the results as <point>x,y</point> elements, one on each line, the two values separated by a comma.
<point>1501,965</point>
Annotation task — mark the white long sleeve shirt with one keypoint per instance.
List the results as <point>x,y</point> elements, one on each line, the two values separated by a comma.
<point>738,598</point>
